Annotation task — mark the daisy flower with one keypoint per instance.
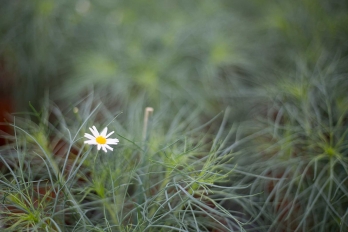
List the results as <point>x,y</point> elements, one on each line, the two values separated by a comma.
<point>101,140</point>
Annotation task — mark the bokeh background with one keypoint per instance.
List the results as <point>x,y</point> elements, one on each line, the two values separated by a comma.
<point>279,67</point>
<point>210,54</point>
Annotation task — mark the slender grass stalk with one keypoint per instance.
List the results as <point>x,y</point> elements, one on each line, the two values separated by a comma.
<point>147,116</point>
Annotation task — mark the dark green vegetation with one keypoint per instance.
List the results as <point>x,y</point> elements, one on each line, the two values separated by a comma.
<point>249,130</point>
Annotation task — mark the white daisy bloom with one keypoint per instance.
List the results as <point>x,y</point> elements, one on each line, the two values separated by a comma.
<point>101,140</point>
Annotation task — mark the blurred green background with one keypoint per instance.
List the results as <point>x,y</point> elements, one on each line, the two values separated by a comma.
<point>280,66</point>
<point>205,53</point>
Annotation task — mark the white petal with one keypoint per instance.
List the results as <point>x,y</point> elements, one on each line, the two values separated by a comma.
<point>104,149</point>
<point>99,146</point>
<point>108,147</point>
<point>93,142</point>
<point>88,136</point>
<point>110,134</point>
<point>94,131</point>
<point>103,133</point>
<point>112,141</point>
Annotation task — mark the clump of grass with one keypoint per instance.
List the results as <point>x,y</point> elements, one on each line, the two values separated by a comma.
<point>172,181</point>
<point>283,62</point>
<point>300,154</point>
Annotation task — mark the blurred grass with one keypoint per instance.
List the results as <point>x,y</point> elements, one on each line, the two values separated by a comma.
<point>281,66</point>
<point>174,180</point>
<point>167,50</point>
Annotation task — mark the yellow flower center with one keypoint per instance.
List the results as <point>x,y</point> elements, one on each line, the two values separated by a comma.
<point>100,140</point>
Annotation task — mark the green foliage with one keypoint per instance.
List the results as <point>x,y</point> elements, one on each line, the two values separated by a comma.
<point>53,181</point>
<point>301,154</point>
<point>280,66</point>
